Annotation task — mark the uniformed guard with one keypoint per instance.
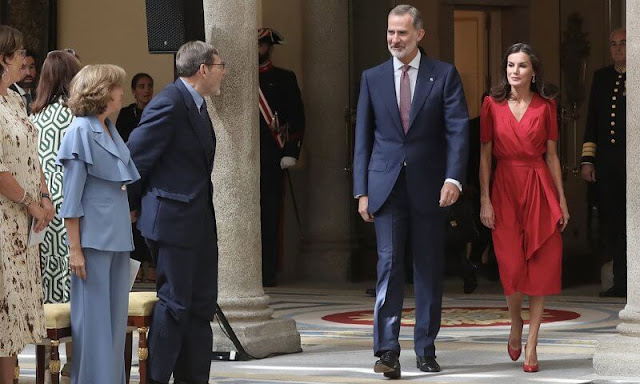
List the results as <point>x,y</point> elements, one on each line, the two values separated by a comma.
<point>604,157</point>
<point>281,131</point>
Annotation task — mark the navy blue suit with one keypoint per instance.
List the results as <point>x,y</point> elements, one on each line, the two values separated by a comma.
<point>173,148</point>
<point>402,176</point>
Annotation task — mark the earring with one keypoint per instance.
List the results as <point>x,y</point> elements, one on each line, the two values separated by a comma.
<point>533,79</point>
<point>3,75</point>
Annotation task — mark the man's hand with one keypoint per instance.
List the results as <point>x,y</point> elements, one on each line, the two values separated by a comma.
<point>588,172</point>
<point>134,216</point>
<point>363,209</point>
<point>287,162</point>
<point>449,194</point>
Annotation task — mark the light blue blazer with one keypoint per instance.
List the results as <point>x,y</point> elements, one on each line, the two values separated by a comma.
<point>97,170</point>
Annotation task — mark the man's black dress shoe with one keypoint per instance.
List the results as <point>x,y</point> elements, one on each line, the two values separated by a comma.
<point>427,364</point>
<point>614,292</point>
<point>470,278</point>
<point>150,381</point>
<point>388,364</point>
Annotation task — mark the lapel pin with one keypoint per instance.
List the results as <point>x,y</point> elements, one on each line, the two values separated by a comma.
<point>431,79</point>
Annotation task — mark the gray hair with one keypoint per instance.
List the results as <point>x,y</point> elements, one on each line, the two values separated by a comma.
<point>404,9</point>
<point>191,55</point>
<point>617,30</point>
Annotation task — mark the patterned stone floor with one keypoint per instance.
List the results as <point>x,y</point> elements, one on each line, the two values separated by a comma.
<point>336,335</point>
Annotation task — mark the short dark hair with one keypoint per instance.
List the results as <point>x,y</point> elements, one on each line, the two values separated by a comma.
<point>30,53</point>
<point>11,40</point>
<point>137,77</point>
<point>191,55</point>
<point>55,80</point>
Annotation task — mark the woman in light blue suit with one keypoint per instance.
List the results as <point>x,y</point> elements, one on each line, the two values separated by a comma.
<point>97,168</point>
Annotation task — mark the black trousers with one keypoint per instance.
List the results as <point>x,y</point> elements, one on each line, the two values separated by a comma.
<point>612,209</point>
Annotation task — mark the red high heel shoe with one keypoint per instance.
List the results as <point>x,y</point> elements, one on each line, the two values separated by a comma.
<point>514,354</point>
<point>529,368</point>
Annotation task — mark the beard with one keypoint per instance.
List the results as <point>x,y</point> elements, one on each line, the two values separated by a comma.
<point>402,53</point>
<point>28,82</point>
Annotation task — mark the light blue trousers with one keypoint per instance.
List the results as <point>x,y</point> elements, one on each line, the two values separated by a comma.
<point>99,307</point>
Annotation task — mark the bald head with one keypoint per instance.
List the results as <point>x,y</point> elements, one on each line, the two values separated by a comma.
<point>618,47</point>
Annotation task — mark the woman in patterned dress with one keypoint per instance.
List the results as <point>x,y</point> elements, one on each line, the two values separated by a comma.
<point>52,117</point>
<point>23,197</point>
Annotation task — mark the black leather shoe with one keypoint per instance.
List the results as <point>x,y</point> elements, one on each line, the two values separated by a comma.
<point>150,381</point>
<point>470,278</point>
<point>614,292</point>
<point>388,364</point>
<point>427,364</point>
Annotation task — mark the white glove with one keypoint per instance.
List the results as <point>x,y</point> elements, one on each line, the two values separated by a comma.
<point>287,162</point>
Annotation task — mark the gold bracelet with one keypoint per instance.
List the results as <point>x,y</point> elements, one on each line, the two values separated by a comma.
<point>24,196</point>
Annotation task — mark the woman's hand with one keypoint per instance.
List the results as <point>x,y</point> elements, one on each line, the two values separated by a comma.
<point>48,208</point>
<point>565,215</point>
<point>487,215</point>
<point>77,262</point>
<point>39,214</point>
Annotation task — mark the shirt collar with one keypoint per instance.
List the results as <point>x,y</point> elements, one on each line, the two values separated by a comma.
<point>197,98</point>
<point>20,90</point>
<point>415,63</point>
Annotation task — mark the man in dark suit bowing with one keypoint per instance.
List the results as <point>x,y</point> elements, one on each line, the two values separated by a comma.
<point>173,149</point>
<point>411,152</point>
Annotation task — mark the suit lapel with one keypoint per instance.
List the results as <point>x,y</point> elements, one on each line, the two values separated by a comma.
<point>103,140</point>
<point>197,122</point>
<point>389,94</point>
<point>424,84</point>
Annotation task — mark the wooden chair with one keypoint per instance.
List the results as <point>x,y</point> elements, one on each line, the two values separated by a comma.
<point>141,305</point>
<point>58,326</point>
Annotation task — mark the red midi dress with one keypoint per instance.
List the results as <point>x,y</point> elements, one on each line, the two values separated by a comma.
<point>526,238</point>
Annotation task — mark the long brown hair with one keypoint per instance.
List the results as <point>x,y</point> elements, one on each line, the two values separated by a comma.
<point>55,78</point>
<point>503,89</point>
<point>11,40</point>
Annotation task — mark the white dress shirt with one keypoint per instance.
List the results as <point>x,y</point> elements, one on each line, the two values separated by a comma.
<point>413,78</point>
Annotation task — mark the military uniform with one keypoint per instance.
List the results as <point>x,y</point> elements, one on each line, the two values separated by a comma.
<point>605,147</point>
<point>280,89</point>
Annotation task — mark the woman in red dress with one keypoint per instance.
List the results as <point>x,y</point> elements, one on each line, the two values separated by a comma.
<point>524,205</point>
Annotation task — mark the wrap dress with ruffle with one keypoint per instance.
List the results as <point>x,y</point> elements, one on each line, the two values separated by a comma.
<point>526,238</point>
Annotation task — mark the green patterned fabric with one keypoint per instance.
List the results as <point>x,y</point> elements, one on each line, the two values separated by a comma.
<point>52,123</point>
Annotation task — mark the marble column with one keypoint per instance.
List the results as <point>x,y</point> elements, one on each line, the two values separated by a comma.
<point>620,355</point>
<point>327,248</point>
<point>231,26</point>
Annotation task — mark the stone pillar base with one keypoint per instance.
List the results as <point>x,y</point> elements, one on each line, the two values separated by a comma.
<point>327,261</point>
<point>618,356</point>
<point>260,339</point>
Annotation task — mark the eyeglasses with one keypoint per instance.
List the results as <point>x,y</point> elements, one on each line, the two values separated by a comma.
<point>223,64</point>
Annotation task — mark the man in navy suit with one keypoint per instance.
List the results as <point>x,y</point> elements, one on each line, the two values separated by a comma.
<point>411,150</point>
<point>173,148</point>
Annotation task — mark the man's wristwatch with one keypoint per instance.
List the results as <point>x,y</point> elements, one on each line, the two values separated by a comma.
<point>46,196</point>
